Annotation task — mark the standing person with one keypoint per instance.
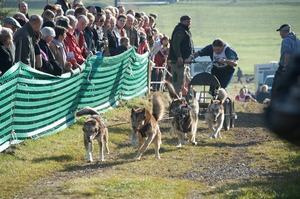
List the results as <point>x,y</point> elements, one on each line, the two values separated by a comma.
<point>50,64</point>
<point>240,75</point>
<point>73,50</point>
<point>65,5</point>
<point>6,50</point>
<point>83,21</point>
<point>290,46</point>
<point>23,40</point>
<point>131,31</point>
<point>181,47</point>
<point>58,49</point>
<point>119,29</point>
<point>11,23</point>
<point>224,59</point>
<point>23,8</point>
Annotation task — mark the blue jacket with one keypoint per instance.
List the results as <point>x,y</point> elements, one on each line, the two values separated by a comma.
<point>289,45</point>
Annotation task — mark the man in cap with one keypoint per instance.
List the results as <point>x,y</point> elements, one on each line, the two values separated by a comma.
<point>181,47</point>
<point>290,46</point>
<point>11,23</point>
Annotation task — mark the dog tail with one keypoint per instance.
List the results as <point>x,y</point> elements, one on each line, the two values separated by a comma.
<point>157,107</point>
<point>87,111</point>
<point>222,95</point>
<point>172,91</point>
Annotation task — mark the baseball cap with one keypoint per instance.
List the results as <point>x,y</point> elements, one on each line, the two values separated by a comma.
<point>185,17</point>
<point>284,27</point>
<point>11,21</point>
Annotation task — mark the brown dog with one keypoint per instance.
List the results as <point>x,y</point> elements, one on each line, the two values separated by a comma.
<point>145,126</point>
<point>94,128</point>
<point>215,114</point>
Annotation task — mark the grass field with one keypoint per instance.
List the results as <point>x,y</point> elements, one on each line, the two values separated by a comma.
<point>248,26</point>
<point>248,162</point>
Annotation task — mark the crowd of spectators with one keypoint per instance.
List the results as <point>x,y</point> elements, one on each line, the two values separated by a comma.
<point>67,33</point>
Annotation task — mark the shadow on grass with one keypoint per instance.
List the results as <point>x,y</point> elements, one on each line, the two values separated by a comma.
<point>96,165</point>
<point>250,120</point>
<point>277,185</point>
<point>60,158</point>
<point>149,152</point>
<point>232,145</point>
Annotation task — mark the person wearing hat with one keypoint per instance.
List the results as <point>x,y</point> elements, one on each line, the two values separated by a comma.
<point>11,23</point>
<point>50,65</point>
<point>181,47</point>
<point>290,46</point>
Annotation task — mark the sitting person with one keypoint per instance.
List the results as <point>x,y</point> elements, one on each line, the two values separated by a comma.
<point>244,96</point>
<point>263,95</point>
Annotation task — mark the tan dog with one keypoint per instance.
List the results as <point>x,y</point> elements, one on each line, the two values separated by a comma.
<point>215,114</point>
<point>145,126</point>
<point>94,129</point>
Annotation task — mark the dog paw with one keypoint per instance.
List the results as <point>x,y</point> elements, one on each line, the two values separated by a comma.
<point>157,157</point>
<point>179,146</point>
<point>195,143</point>
<point>138,158</point>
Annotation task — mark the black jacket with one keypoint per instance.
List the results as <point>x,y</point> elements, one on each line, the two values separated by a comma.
<point>50,66</point>
<point>6,59</point>
<point>181,44</point>
<point>65,6</point>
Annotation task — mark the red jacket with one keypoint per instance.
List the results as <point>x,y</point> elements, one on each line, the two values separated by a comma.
<point>74,52</point>
<point>143,47</point>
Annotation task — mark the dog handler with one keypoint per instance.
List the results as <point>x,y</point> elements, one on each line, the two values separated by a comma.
<point>224,60</point>
<point>181,48</point>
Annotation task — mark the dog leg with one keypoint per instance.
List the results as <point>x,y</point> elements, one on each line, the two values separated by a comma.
<point>106,141</point>
<point>144,147</point>
<point>193,134</point>
<point>133,138</point>
<point>88,148</point>
<point>101,147</point>
<point>180,137</point>
<point>157,142</point>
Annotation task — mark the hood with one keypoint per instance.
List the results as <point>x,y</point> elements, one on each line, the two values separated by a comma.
<point>291,35</point>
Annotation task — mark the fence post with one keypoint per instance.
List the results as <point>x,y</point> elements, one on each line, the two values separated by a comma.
<point>149,76</point>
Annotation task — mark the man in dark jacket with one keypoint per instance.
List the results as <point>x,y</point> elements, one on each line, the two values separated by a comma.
<point>65,5</point>
<point>24,43</point>
<point>181,47</point>
<point>224,60</point>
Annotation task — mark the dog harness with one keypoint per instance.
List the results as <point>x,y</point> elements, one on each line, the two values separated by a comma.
<point>183,118</point>
<point>144,129</point>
